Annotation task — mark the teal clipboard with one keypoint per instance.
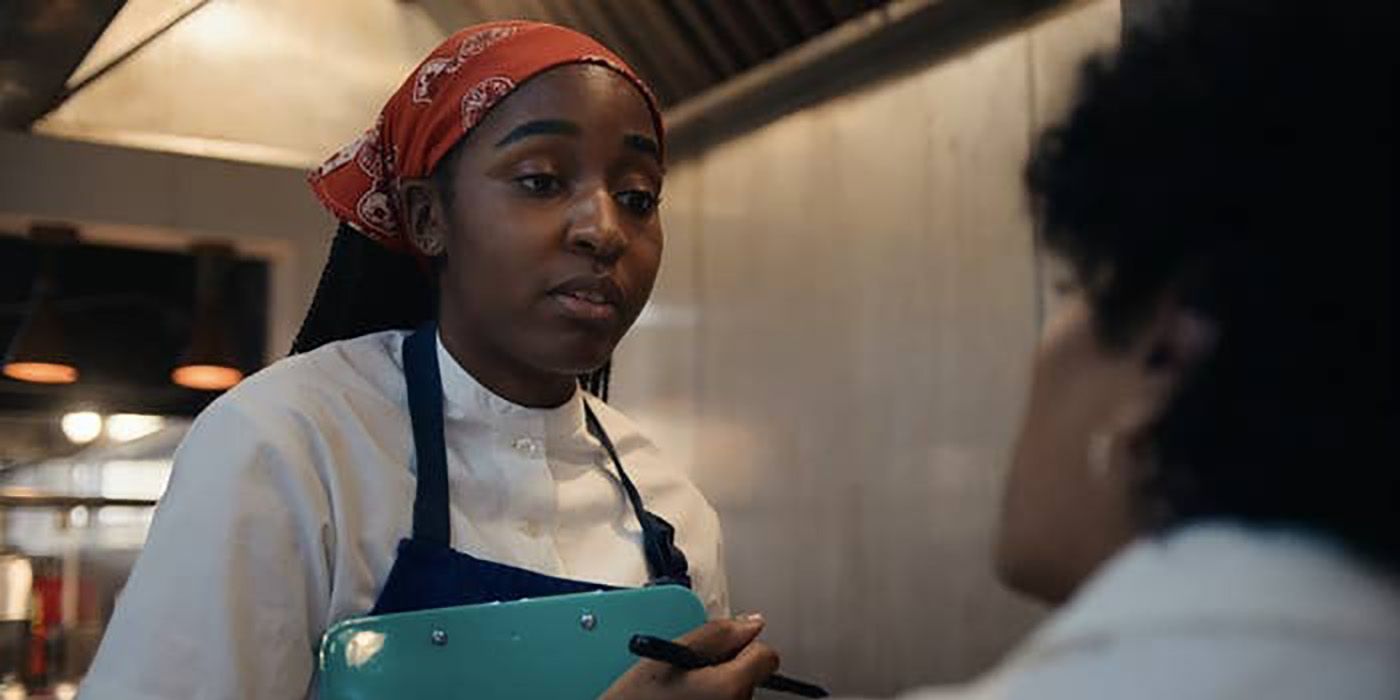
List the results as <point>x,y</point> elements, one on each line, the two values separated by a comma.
<point>557,648</point>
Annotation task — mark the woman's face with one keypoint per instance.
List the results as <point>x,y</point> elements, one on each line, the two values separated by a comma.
<point>1067,497</point>
<point>552,235</point>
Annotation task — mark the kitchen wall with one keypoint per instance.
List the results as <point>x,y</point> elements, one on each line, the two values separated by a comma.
<point>838,350</point>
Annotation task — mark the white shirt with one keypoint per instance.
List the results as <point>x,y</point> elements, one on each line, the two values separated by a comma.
<point>1214,612</point>
<point>291,492</point>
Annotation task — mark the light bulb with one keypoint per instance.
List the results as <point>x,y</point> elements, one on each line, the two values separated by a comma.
<point>81,427</point>
<point>206,377</point>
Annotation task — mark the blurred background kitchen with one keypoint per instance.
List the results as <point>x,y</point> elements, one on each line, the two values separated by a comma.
<point>835,349</point>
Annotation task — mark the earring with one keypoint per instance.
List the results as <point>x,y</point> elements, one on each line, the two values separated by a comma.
<point>427,244</point>
<point>1100,454</point>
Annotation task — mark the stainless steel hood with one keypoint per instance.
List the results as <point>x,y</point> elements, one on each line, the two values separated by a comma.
<point>41,43</point>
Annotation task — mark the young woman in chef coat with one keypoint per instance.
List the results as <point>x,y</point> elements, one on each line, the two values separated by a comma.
<point>430,444</point>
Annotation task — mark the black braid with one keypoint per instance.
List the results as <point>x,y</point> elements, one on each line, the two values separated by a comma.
<point>401,297</point>
<point>346,305</point>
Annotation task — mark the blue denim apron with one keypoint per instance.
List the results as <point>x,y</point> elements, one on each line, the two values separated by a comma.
<point>428,573</point>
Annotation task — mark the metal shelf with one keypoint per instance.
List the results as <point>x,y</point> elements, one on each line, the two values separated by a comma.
<point>29,498</point>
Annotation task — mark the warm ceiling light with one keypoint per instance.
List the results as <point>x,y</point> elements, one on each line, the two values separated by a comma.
<point>210,363</point>
<point>37,352</point>
<point>81,427</point>
<point>125,427</point>
<point>206,377</point>
<point>41,372</point>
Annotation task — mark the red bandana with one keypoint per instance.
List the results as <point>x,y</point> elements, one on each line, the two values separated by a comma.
<point>445,97</point>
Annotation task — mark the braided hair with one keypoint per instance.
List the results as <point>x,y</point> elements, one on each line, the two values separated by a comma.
<point>402,297</point>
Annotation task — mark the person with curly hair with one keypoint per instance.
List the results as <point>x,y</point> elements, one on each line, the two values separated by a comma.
<point>1207,476</point>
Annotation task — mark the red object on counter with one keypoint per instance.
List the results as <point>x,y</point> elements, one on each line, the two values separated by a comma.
<point>48,609</point>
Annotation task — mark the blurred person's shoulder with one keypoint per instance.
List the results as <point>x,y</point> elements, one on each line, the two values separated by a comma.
<point>1216,610</point>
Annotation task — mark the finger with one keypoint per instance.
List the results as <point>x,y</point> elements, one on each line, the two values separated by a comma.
<point>723,639</point>
<point>756,663</point>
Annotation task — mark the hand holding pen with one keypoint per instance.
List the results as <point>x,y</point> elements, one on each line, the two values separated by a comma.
<point>720,661</point>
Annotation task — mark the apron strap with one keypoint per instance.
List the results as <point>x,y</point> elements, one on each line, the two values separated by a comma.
<point>665,561</point>
<point>430,505</point>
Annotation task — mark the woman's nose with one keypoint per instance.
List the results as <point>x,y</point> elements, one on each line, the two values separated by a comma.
<point>595,226</point>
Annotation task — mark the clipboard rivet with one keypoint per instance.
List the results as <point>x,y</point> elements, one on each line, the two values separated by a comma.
<point>439,638</point>
<point>588,621</point>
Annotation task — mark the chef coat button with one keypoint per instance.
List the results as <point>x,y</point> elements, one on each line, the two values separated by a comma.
<point>528,447</point>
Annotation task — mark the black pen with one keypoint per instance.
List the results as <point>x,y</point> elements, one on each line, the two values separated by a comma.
<point>681,656</point>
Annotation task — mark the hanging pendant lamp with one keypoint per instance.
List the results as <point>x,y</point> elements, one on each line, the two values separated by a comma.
<point>210,363</point>
<point>38,353</point>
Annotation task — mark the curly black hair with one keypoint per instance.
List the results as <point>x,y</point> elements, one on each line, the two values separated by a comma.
<point>1241,155</point>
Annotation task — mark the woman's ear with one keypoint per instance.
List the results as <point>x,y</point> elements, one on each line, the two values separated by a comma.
<point>1169,349</point>
<point>425,214</point>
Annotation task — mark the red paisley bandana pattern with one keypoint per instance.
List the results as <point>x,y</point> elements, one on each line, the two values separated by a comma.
<point>449,93</point>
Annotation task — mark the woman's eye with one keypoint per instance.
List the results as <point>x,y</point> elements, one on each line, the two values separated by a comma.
<point>1064,286</point>
<point>540,185</point>
<point>639,202</point>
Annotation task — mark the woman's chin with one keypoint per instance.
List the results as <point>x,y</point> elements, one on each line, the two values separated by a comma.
<point>579,360</point>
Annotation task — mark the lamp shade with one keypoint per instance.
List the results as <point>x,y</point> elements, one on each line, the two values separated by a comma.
<point>37,353</point>
<point>210,362</point>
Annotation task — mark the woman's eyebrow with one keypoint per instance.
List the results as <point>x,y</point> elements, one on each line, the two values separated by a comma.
<point>540,127</point>
<point>643,144</point>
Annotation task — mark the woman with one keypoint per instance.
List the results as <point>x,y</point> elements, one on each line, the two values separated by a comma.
<point>1208,469</point>
<point>518,171</point>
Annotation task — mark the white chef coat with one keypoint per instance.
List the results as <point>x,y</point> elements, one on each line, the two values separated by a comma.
<point>291,492</point>
<point>1213,612</point>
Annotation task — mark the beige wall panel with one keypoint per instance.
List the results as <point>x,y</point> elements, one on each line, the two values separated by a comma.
<point>859,282</point>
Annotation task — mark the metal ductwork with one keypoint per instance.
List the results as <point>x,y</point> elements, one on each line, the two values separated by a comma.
<point>41,43</point>
<point>222,83</point>
<point>681,47</point>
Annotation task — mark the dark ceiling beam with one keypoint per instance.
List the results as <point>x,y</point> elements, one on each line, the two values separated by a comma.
<point>564,13</point>
<point>843,10</point>
<point>41,43</point>
<point>900,36</point>
<point>774,24</point>
<point>671,84</point>
<point>715,50</point>
<point>601,26</point>
<point>594,24</point>
<point>750,52</point>
<point>661,28</point>
<point>807,16</point>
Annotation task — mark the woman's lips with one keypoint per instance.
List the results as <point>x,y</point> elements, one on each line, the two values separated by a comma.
<point>590,298</point>
<point>586,305</point>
